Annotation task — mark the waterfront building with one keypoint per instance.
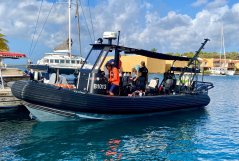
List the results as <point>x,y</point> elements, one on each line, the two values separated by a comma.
<point>153,65</point>
<point>209,63</point>
<point>161,66</point>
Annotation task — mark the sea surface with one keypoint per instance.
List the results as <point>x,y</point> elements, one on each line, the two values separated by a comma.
<point>211,133</point>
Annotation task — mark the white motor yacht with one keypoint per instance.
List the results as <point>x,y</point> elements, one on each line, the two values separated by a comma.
<point>62,57</point>
<point>223,67</point>
<point>62,60</point>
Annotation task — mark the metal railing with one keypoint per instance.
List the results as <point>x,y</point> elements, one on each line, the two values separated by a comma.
<point>202,87</point>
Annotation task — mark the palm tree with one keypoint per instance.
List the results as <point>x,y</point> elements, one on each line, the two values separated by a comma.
<point>3,43</point>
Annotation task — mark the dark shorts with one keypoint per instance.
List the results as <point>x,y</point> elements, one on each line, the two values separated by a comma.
<point>113,88</point>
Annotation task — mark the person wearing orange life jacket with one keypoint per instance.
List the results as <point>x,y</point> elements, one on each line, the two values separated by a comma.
<point>114,79</point>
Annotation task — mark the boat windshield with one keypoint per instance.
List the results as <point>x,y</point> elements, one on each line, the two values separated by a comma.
<point>96,57</point>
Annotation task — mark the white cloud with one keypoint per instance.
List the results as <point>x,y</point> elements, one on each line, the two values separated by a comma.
<point>199,3</point>
<point>217,3</point>
<point>140,26</point>
<point>175,31</point>
<point>235,8</point>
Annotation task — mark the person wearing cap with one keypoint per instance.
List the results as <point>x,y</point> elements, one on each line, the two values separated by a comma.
<point>112,62</point>
<point>114,79</point>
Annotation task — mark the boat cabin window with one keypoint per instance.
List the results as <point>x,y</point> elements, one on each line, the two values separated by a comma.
<point>57,61</point>
<point>73,61</point>
<point>78,61</point>
<point>67,61</point>
<point>46,61</point>
<point>51,60</point>
<point>62,61</point>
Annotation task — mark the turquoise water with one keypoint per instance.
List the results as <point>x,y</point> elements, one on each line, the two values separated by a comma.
<point>211,133</point>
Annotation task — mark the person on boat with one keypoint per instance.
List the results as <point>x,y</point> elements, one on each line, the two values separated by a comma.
<point>112,62</point>
<point>169,83</point>
<point>126,87</point>
<point>138,86</point>
<point>137,67</point>
<point>125,79</point>
<point>144,71</point>
<point>114,79</point>
<point>29,72</point>
<point>140,82</point>
<point>135,71</point>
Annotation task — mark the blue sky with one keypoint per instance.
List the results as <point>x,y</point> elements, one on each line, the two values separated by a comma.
<point>184,6</point>
<point>169,26</point>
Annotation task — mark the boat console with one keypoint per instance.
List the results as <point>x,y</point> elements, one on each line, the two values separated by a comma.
<point>92,82</point>
<point>176,80</point>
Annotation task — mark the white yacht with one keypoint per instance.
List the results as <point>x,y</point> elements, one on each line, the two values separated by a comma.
<point>222,67</point>
<point>62,60</point>
<point>218,70</point>
<point>62,56</point>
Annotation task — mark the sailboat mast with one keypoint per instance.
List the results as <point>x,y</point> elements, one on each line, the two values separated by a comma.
<point>221,48</point>
<point>223,45</point>
<point>69,26</point>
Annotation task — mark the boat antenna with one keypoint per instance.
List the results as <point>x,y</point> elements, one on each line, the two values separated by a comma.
<point>117,52</point>
<point>194,59</point>
<point>198,52</point>
<point>118,38</point>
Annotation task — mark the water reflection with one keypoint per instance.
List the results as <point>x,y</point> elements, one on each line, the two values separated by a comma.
<point>210,134</point>
<point>149,138</point>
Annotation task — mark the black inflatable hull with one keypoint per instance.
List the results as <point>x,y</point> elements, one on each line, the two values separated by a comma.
<point>69,100</point>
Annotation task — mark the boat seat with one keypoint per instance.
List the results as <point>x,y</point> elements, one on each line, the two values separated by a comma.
<point>152,88</point>
<point>52,79</point>
<point>153,83</point>
<point>62,80</point>
<point>125,81</point>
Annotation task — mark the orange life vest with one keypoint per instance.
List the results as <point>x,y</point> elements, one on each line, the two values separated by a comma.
<point>114,76</point>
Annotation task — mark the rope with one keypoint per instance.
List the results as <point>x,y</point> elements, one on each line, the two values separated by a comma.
<point>42,28</point>
<point>35,28</point>
<point>86,21</point>
<point>91,20</point>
